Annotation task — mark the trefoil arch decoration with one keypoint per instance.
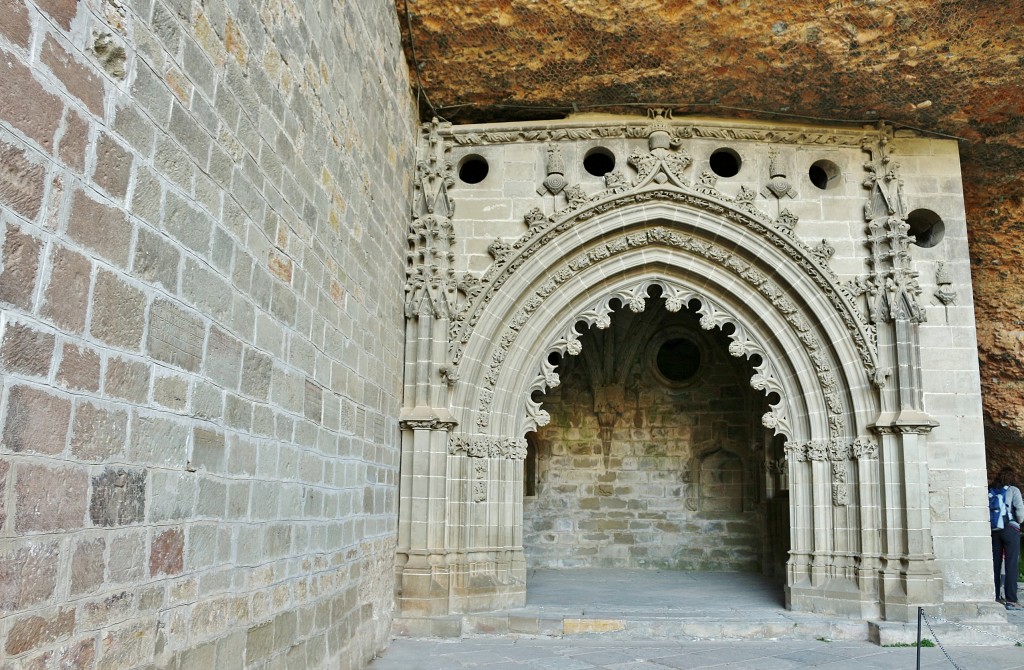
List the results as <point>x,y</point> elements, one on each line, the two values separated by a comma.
<point>712,315</point>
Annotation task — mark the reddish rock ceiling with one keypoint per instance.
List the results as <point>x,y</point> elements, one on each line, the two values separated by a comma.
<point>952,67</point>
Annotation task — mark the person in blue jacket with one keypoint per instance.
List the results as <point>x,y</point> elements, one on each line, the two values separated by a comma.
<point>1006,539</point>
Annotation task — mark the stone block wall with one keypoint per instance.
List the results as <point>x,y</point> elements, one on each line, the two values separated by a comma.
<point>635,471</point>
<point>202,213</point>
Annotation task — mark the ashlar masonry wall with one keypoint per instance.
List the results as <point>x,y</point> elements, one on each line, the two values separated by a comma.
<point>203,209</point>
<point>637,470</point>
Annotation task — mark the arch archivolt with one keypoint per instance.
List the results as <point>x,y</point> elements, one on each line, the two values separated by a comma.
<point>741,220</point>
<point>569,284</point>
<point>676,296</point>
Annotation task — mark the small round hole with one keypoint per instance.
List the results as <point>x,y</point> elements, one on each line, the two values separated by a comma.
<point>473,169</point>
<point>554,358</point>
<point>725,163</point>
<point>678,359</point>
<point>927,227</point>
<point>599,161</point>
<point>824,174</point>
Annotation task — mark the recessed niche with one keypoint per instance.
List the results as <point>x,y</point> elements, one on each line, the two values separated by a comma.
<point>599,161</point>
<point>473,169</point>
<point>927,227</point>
<point>824,174</point>
<point>678,360</point>
<point>725,162</point>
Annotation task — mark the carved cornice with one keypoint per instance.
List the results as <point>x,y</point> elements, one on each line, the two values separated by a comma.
<point>568,132</point>
<point>485,446</point>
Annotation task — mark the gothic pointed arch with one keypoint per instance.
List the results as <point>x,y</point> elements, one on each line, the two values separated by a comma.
<point>817,355</point>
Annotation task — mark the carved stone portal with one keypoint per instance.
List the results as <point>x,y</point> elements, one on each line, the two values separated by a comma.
<point>828,425</point>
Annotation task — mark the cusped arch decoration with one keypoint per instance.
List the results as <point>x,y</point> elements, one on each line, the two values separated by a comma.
<point>598,314</point>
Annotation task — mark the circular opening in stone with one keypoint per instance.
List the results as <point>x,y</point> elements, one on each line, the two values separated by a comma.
<point>678,359</point>
<point>824,174</point>
<point>725,162</point>
<point>473,169</point>
<point>927,227</point>
<point>599,161</point>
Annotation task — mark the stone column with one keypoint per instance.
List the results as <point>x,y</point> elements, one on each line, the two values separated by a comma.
<point>422,562</point>
<point>909,576</point>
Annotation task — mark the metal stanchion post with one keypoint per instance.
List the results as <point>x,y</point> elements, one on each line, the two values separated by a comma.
<point>920,613</point>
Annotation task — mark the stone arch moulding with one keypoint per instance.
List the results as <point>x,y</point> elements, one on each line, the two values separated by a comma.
<point>783,305</point>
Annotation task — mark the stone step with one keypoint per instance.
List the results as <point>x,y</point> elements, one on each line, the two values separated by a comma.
<point>631,626</point>
<point>975,634</point>
<point>673,626</point>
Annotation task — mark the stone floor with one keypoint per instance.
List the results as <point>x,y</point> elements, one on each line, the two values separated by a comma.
<point>649,620</point>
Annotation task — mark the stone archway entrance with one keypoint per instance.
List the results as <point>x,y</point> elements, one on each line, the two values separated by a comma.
<point>848,377</point>
<point>655,456</point>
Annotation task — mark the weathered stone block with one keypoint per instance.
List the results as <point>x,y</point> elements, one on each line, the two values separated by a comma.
<point>156,260</point>
<point>256,368</point>
<point>78,654</point>
<point>74,140</point>
<point>22,181</point>
<point>171,391</point>
<point>35,631</point>
<point>118,313</point>
<point>207,450</point>
<point>14,23</point>
<point>113,166</point>
<point>100,227</point>
<point>98,433</point>
<point>259,642</point>
<point>223,358</point>
<point>49,498</point>
<point>127,379</point>
<point>127,557</point>
<point>79,368</point>
<point>87,566</point>
<point>167,553</point>
<point>187,224</point>
<point>159,441</point>
<point>67,292</point>
<point>128,646</point>
<point>28,575</point>
<point>20,267</point>
<point>36,421</point>
<point>175,335</point>
<point>26,350</point>
<point>118,497</point>
<point>80,80</point>
<point>25,104</point>
<point>62,11</point>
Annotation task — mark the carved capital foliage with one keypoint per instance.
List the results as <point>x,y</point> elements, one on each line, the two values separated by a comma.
<point>484,446</point>
<point>864,449</point>
<point>431,423</point>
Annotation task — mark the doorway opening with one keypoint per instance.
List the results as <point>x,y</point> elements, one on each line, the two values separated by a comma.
<point>655,456</point>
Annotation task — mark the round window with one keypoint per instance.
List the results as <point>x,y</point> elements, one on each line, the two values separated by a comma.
<point>678,359</point>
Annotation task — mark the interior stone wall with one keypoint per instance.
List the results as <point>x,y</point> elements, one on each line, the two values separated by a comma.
<point>203,208</point>
<point>635,471</point>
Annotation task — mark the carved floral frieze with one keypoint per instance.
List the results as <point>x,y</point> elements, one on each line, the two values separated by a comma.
<point>485,446</point>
